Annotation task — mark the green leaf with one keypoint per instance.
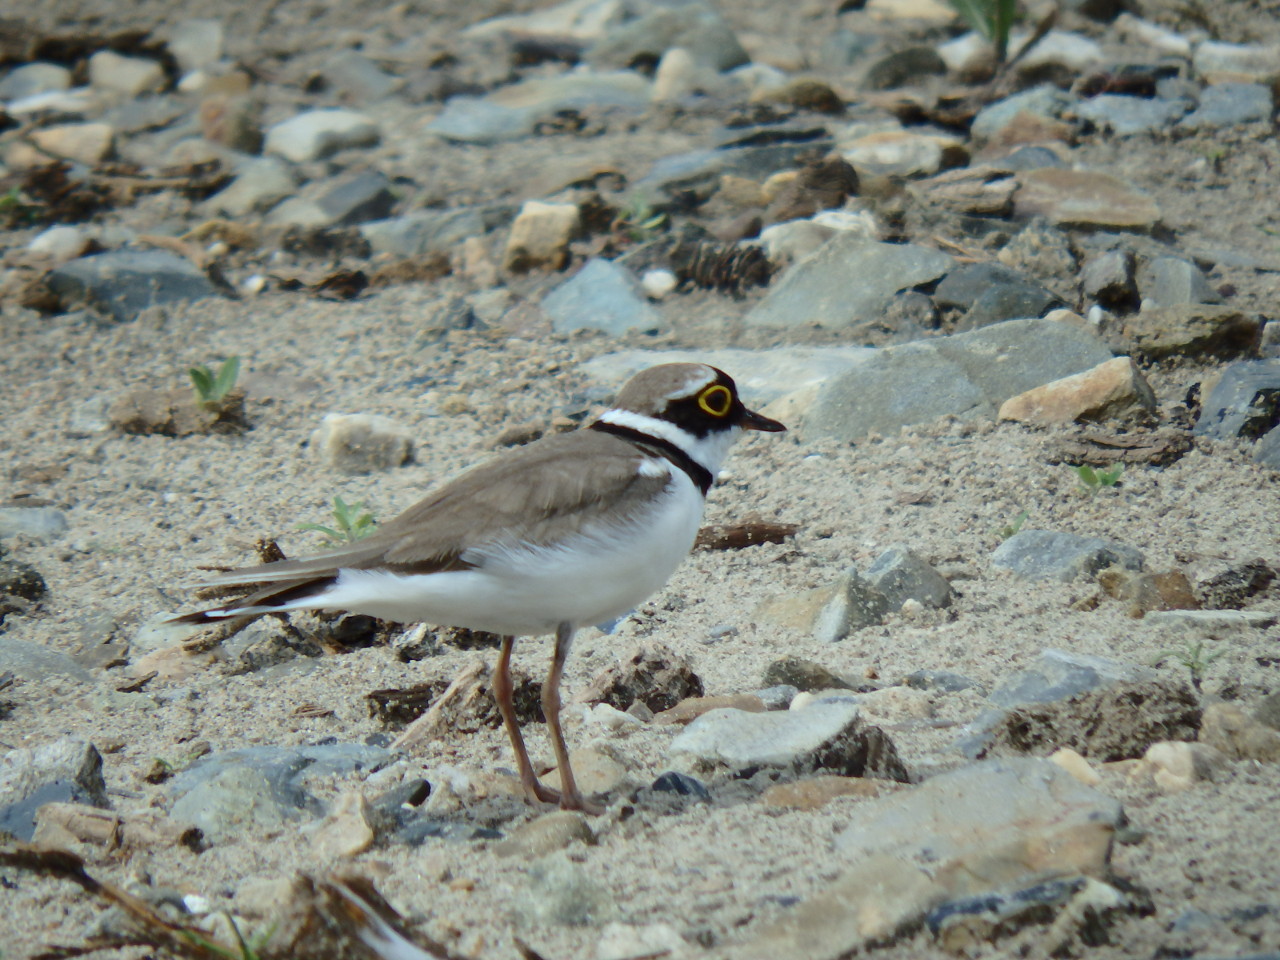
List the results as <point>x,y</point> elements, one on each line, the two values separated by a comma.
<point>227,375</point>
<point>202,379</point>
<point>1087,475</point>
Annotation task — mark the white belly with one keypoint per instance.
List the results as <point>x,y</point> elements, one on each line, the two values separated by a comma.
<point>597,575</point>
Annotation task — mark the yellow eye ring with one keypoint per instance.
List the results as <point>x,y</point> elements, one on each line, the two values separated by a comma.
<point>716,400</point>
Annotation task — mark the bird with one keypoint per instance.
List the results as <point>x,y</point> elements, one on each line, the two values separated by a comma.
<point>569,531</point>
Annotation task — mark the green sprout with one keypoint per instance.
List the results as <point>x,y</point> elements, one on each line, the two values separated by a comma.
<point>349,526</point>
<point>1194,657</point>
<point>1013,526</point>
<point>639,219</point>
<point>1091,480</point>
<point>211,388</point>
<point>993,19</point>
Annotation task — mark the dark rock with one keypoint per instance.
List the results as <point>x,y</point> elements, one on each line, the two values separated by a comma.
<point>804,675</point>
<point>398,806</point>
<point>962,287</point>
<point>903,67</point>
<point>123,283</point>
<point>1009,301</point>
<point>1231,589</point>
<point>682,785</point>
<point>1118,722</point>
<point>1244,403</point>
<point>20,586</point>
<point>1193,330</point>
<point>651,674</point>
<point>359,198</point>
<point>1048,554</point>
<point>1108,280</point>
<point>65,771</point>
<point>417,832</point>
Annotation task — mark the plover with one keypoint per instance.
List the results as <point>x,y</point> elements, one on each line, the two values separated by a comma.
<point>571,530</point>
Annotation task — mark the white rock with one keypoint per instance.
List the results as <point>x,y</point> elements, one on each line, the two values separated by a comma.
<point>759,77</point>
<point>621,941</point>
<point>197,43</point>
<point>76,102</point>
<point>318,133</point>
<point>789,242</point>
<point>60,242</point>
<point>361,442</point>
<point>861,222</point>
<point>1071,50</point>
<point>1153,35</point>
<point>658,283</point>
<point>87,143</point>
<point>130,76</point>
<point>1237,62</point>
<point>1076,765</point>
<point>676,77</point>
<point>965,51</point>
<point>540,235</point>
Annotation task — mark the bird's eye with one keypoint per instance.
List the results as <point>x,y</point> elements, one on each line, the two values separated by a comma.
<point>716,400</point>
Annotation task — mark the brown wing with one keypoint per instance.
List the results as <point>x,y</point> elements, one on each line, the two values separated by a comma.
<point>539,493</point>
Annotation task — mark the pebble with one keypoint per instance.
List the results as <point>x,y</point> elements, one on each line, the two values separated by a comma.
<point>961,287</point>
<point>1113,389</point>
<point>432,231</point>
<point>123,283</point>
<point>345,831</point>
<point>1008,301</point>
<point>1239,736</point>
<point>353,76</point>
<point>20,586</point>
<point>358,443</point>
<point>260,184</point>
<point>87,143</point>
<point>658,284</point>
<point>31,79</point>
<point>1228,104</point>
<point>802,675</point>
<point>1175,766</point>
<point>547,834</point>
<point>813,793</point>
<point>645,32</point>
<point>129,76</point>
<point>76,102</point>
<point>1108,279</point>
<point>1052,555</point>
<point>601,296</point>
<point>66,770</point>
<point>1237,62</point>
<point>1153,35</point>
<point>317,134</point>
<point>59,242</point>
<point>623,941</point>
<point>901,574</point>
<point>1084,198</point>
<point>850,604</point>
<point>1045,101</point>
<point>540,236</point>
<point>1076,765</point>
<point>1166,281</point>
<point>688,710</point>
<point>1208,622</point>
<point>197,43</point>
<point>1059,675</point>
<point>1061,48</point>
<point>1125,116</point>
<point>650,673</point>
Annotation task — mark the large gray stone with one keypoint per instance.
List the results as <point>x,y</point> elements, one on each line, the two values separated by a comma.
<point>1226,104</point>
<point>123,283</point>
<point>316,134</point>
<point>1059,674</point>
<point>1051,555</point>
<point>848,280</point>
<point>432,231</point>
<point>1164,281</point>
<point>600,296</point>
<point>968,375</point>
<point>1243,403</point>
<point>1124,116</point>
<point>901,574</point>
<point>35,661</point>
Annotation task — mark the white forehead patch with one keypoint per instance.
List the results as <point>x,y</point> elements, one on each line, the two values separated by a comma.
<point>693,384</point>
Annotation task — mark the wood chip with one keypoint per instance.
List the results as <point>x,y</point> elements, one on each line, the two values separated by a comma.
<point>735,536</point>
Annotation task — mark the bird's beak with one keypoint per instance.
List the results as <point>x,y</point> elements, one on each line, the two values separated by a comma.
<point>751,420</point>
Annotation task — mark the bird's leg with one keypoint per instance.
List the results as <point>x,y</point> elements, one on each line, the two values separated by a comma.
<point>503,692</point>
<point>570,797</point>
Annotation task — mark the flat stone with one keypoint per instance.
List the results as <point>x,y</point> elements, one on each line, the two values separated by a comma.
<point>355,77</point>
<point>825,735</point>
<point>979,829</point>
<point>64,771</point>
<point>432,231</point>
<point>1193,330</point>
<point>1009,301</point>
<point>1045,101</point>
<point>1237,62</point>
<point>901,574</point>
<point>360,443</point>
<point>123,283</point>
<point>813,793</point>
<point>847,281</point>
<point>850,604</point>
<point>1175,766</point>
<point>1125,116</point>
<point>1228,104</point>
<point>1051,555</point>
<point>540,235</point>
<point>970,375</point>
<point>910,65</point>
<point>802,675</point>
<point>31,79</point>
<point>87,143</point>
<point>1058,675</point>
<point>1152,35</point>
<point>130,76</point>
<point>1085,198</point>
<point>1115,388</point>
<point>196,43</point>
<point>345,831</point>
<point>1061,48</point>
<point>260,184</point>
<point>316,134</point>
<point>511,112</point>
<point>1165,281</point>
<point>1108,279</point>
<point>901,153</point>
<point>962,287</point>
<point>36,662</point>
<point>649,673</point>
<point>601,296</point>
<point>547,834</point>
<point>1244,401</point>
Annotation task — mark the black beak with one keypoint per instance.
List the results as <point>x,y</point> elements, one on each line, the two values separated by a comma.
<point>750,420</point>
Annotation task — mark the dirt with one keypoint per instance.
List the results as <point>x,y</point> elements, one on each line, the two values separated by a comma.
<point>147,511</point>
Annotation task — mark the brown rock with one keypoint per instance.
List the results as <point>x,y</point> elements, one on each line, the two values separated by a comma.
<point>1238,735</point>
<point>87,143</point>
<point>345,832</point>
<point>814,792</point>
<point>1115,388</point>
<point>686,711</point>
<point>176,413</point>
<point>651,673</point>
<point>232,121</point>
<point>1178,765</point>
<point>1028,128</point>
<point>1149,591</point>
<point>1083,198</point>
<point>1193,329</point>
<point>803,92</point>
<point>804,675</point>
<point>982,190</point>
<point>547,834</point>
<point>540,236</point>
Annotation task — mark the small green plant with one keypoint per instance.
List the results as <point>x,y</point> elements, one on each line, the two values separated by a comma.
<point>1013,526</point>
<point>1091,480</point>
<point>350,524</point>
<point>211,388</point>
<point>639,220</point>
<point>993,19</point>
<point>1196,657</point>
<point>15,211</point>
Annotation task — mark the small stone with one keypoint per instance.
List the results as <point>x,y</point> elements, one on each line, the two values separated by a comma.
<point>540,236</point>
<point>681,784</point>
<point>689,710</point>
<point>1239,736</point>
<point>356,78</point>
<point>196,44</point>
<point>907,66</point>
<point>803,675</point>
<point>854,603</point>
<point>1108,279</point>
<point>676,77</point>
<point>1244,401</point>
<point>1237,62</point>
<point>813,793</point>
<point>1008,301</point>
<point>644,33</point>
<point>1084,198</point>
<point>1228,104</point>
<point>1061,48</point>
<point>357,198</point>
<point>1114,389</point>
<point>1047,554</point>
<point>1152,35</point>
<point>901,574</point>
<point>87,143</point>
<point>962,287</point>
<point>260,184</point>
<point>317,134</point>
<point>1146,592</point>
<point>32,79</point>
<point>1045,102</point>
<point>1193,330</point>
<point>977,190</point>
<point>66,770</point>
<point>601,296</point>
<point>658,284</point>
<point>233,121</point>
<point>60,243</point>
<point>1175,766</point>
<point>1076,765</point>
<point>650,673</point>
<point>20,586</point>
<point>345,831</point>
<point>1126,116</point>
<point>1165,281</point>
<point>123,283</point>
<point>130,76</point>
<point>361,443</point>
<point>1234,587</point>
<point>547,834</point>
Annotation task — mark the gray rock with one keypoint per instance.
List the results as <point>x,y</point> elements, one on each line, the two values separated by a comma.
<point>901,574</point>
<point>1045,101</point>
<point>600,296</point>
<point>1042,251</point>
<point>512,112</point>
<point>983,828</point>
<point>1050,555</point>
<point>849,280</point>
<point>1057,675</point>
<point>699,171</point>
<point>882,394</point>
<point>561,892</point>
<point>432,231</point>
<point>1244,401</point>
<point>358,443</point>
<point>317,134</point>
<point>777,697</point>
<point>352,75</point>
<point>1192,330</point>
<point>31,79</point>
<point>123,283</point>
<point>1124,116</point>
<point>1086,198</point>
<point>825,735</point>
<point>260,184</point>
<point>358,198</point>
<point>35,661</point>
<point>1165,281</point>
<point>1267,452</point>
<point>797,674</point>
<point>66,771</point>
<point>854,604</point>
<point>647,30</point>
<point>39,523</point>
<point>130,76</point>
<point>20,586</point>
<point>902,67</point>
<point>1009,301</point>
<point>1108,279</point>
<point>762,376</point>
<point>244,793</point>
<point>1227,104</point>
<point>962,287</point>
<point>196,43</point>
<point>1031,158</point>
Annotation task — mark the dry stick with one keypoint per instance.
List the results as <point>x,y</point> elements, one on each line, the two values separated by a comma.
<point>428,723</point>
